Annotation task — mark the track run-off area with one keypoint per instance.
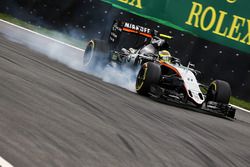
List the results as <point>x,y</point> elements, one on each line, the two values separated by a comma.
<point>52,114</point>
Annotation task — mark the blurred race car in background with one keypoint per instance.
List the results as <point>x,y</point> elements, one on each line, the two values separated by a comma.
<point>161,75</point>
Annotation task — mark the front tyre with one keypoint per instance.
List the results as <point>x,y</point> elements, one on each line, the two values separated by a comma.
<point>219,91</point>
<point>149,74</point>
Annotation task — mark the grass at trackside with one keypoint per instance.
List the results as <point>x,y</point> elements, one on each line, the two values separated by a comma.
<point>51,33</point>
<point>240,103</point>
<point>78,43</point>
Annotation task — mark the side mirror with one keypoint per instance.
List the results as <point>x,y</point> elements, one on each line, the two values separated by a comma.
<point>190,65</point>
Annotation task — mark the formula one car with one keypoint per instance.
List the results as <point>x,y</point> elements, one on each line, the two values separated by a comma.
<point>160,75</point>
<point>172,81</point>
<point>99,53</point>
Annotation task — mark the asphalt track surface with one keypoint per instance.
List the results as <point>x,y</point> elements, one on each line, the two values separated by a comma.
<point>53,116</point>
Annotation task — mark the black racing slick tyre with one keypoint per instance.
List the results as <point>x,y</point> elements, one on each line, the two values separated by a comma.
<point>219,91</point>
<point>96,55</point>
<point>149,74</point>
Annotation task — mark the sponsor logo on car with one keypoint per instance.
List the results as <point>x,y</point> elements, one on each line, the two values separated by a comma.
<point>137,28</point>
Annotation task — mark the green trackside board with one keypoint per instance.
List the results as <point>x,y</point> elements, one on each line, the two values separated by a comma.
<point>225,22</point>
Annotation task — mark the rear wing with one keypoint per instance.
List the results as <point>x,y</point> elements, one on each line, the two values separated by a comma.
<point>121,26</point>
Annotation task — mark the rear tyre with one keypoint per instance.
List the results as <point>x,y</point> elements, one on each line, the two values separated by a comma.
<point>149,74</point>
<point>96,55</point>
<point>219,91</point>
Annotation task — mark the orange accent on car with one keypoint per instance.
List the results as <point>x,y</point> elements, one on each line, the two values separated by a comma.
<point>171,67</point>
<point>129,30</point>
<point>137,32</point>
<point>175,70</point>
<point>146,35</point>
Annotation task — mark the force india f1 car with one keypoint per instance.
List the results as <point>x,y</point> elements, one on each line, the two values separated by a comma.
<point>161,78</point>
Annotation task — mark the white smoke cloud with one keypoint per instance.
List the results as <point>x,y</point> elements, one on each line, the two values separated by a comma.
<point>122,76</point>
<point>71,57</point>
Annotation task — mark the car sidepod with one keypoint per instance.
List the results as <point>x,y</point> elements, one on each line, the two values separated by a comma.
<point>191,85</point>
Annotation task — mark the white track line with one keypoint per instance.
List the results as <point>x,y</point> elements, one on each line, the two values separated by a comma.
<point>44,36</point>
<point>243,109</point>
<point>63,43</point>
<point>4,163</point>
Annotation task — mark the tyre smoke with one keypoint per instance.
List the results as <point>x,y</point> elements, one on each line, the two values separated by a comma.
<point>70,56</point>
<point>122,76</point>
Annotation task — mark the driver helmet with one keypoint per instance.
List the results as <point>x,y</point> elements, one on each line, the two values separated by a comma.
<point>165,55</point>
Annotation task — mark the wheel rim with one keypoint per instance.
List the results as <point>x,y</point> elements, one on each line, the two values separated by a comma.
<point>141,78</point>
<point>88,54</point>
